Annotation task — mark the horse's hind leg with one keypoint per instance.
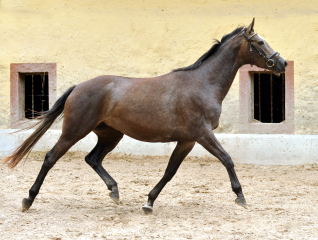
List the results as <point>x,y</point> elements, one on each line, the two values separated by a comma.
<point>108,139</point>
<point>64,143</point>
<point>180,152</point>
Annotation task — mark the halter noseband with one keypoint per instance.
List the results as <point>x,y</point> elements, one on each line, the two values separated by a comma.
<point>269,61</point>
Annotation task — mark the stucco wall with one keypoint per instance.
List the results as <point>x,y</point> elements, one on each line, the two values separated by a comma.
<point>88,38</point>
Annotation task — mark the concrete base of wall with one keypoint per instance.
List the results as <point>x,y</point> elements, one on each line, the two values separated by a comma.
<point>243,148</point>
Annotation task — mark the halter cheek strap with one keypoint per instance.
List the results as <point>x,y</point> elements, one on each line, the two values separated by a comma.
<point>269,61</point>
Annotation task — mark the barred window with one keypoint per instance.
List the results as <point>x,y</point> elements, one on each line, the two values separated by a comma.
<point>36,94</point>
<point>269,97</point>
<point>33,90</point>
<point>266,100</point>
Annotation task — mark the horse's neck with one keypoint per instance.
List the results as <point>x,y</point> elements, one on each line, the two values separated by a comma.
<point>220,70</point>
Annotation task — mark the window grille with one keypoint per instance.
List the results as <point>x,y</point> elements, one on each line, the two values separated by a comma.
<point>36,94</point>
<point>269,97</point>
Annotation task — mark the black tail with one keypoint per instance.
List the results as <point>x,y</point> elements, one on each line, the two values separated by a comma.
<point>46,121</point>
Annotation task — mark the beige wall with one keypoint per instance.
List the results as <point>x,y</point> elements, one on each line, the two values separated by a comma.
<point>88,38</point>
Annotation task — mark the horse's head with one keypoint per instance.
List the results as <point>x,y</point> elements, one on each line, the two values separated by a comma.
<point>260,52</point>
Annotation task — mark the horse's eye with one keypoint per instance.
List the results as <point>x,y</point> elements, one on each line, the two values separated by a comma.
<point>260,42</point>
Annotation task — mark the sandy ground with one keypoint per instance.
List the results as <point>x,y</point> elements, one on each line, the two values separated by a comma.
<point>197,204</point>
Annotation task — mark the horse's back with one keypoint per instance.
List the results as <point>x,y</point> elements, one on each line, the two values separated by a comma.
<point>148,109</point>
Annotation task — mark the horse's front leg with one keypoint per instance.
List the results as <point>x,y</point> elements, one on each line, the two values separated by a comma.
<point>210,143</point>
<point>180,152</point>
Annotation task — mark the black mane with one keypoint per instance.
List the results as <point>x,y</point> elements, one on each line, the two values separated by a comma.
<point>212,50</point>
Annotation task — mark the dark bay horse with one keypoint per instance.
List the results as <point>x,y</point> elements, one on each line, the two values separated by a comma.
<point>183,106</point>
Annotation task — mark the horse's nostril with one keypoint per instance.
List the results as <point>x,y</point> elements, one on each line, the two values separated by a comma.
<point>285,63</point>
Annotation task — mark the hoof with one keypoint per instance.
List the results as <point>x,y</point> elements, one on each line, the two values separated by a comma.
<point>241,202</point>
<point>25,205</point>
<point>114,197</point>
<point>147,209</point>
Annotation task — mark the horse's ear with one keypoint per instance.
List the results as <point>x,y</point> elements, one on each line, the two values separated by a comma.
<point>250,28</point>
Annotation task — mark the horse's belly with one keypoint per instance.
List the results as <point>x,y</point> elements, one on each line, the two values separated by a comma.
<point>150,137</point>
<point>149,131</point>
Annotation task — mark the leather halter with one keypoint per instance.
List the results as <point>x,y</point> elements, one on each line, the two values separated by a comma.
<point>269,61</point>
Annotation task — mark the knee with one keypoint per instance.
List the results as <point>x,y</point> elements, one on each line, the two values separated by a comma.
<point>169,175</point>
<point>227,162</point>
<point>90,162</point>
<point>48,161</point>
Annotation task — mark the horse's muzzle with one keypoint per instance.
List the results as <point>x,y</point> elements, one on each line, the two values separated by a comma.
<point>280,66</point>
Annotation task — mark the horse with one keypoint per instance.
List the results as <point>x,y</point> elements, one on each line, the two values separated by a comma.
<point>182,106</point>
